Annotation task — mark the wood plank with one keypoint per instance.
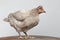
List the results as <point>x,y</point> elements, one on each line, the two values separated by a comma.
<point>34,38</point>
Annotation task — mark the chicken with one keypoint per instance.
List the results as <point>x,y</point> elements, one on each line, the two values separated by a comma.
<point>24,20</point>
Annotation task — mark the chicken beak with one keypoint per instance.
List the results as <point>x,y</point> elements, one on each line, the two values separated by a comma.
<point>44,11</point>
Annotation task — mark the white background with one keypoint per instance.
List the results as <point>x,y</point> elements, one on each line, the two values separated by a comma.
<point>49,24</point>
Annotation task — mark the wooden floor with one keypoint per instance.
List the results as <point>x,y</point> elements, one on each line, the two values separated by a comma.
<point>33,38</point>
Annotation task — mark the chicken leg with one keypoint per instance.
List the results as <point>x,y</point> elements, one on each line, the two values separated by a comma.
<point>18,32</point>
<point>26,35</point>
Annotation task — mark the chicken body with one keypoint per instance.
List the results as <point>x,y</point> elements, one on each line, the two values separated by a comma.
<point>23,21</point>
<point>23,26</point>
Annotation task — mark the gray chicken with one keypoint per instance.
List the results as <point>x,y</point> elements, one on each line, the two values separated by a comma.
<point>24,20</point>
